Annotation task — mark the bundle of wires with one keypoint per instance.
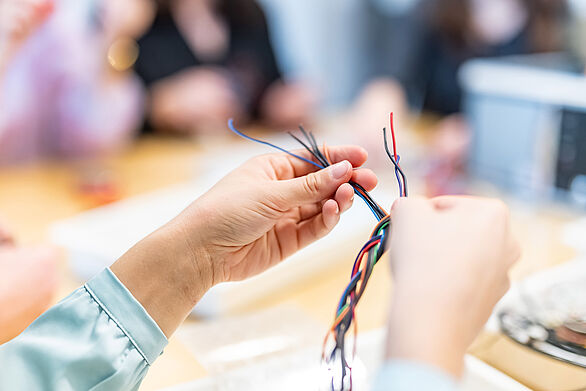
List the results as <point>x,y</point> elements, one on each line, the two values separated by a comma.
<point>322,160</point>
<point>373,250</point>
<point>364,264</point>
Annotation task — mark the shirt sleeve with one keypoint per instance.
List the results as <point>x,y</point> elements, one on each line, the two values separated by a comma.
<point>402,375</point>
<point>98,338</point>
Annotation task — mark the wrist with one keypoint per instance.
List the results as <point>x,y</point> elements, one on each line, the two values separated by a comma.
<point>420,331</point>
<point>193,227</point>
<point>165,275</point>
<point>191,255</point>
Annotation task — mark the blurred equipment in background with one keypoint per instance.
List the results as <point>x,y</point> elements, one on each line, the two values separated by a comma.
<point>437,37</point>
<point>528,121</point>
<point>206,60</point>
<point>546,312</point>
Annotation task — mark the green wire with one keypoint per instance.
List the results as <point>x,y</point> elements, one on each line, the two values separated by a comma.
<point>343,309</point>
<point>375,248</point>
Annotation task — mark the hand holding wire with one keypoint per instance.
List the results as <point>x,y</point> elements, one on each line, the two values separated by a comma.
<point>272,206</point>
<point>368,256</point>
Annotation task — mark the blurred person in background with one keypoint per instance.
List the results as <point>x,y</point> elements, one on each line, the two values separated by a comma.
<point>18,19</point>
<point>203,61</point>
<point>59,94</point>
<point>30,267</point>
<point>437,37</point>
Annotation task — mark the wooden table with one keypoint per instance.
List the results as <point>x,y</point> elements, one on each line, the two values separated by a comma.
<point>33,197</point>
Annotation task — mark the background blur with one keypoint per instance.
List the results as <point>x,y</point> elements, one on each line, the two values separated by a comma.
<point>113,118</point>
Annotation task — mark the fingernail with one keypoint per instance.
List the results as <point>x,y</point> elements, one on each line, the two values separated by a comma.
<point>339,170</point>
<point>337,211</point>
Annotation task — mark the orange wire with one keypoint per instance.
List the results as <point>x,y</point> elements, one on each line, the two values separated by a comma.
<point>355,336</point>
<point>339,318</point>
<point>327,153</point>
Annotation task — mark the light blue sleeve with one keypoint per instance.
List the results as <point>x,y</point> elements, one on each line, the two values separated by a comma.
<point>98,338</point>
<point>402,375</point>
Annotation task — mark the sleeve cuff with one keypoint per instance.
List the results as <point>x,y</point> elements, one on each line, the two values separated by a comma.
<point>403,375</point>
<point>130,316</point>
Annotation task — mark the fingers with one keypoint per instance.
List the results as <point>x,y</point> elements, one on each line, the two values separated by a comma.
<point>354,154</point>
<point>449,202</point>
<point>319,225</point>
<point>310,188</point>
<point>366,178</point>
<point>344,197</point>
<point>494,210</point>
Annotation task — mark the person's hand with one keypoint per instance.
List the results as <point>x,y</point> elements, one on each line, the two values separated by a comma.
<point>450,258</point>
<point>262,212</point>
<point>271,207</point>
<point>28,281</point>
<point>288,104</point>
<point>194,100</point>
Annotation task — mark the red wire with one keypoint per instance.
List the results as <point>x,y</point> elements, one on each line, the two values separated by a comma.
<point>357,267</point>
<point>393,135</point>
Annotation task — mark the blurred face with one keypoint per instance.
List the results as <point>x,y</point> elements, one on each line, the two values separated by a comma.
<point>497,21</point>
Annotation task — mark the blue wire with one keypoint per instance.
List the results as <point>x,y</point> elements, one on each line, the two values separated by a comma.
<point>341,303</point>
<point>398,178</point>
<point>367,204</point>
<point>372,239</point>
<point>239,133</point>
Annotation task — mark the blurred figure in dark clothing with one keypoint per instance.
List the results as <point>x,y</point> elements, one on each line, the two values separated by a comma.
<point>430,46</point>
<point>206,60</point>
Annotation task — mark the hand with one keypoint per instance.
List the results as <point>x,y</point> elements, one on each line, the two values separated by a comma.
<point>271,207</point>
<point>255,217</point>
<point>28,281</point>
<point>449,257</point>
<point>194,100</point>
<point>288,104</point>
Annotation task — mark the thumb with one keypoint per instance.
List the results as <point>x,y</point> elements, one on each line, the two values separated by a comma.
<point>316,186</point>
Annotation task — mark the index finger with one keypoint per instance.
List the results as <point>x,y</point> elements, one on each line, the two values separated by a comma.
<point>289,167</point>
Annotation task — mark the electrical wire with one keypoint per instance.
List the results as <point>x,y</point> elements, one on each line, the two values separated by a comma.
<point>310,145</point>
<point>368,256</point>
<point>233,129</point>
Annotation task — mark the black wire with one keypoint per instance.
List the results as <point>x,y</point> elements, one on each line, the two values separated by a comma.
<point>314,150</point>
<point>346,323</point>
<point>352,297</point>
<point>397,167</point>
<point>302,143</point>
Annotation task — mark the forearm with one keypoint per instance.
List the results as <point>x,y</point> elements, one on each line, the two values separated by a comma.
<point>166,274</point>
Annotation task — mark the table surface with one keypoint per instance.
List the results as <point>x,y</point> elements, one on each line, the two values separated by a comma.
<point>34,196</point>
